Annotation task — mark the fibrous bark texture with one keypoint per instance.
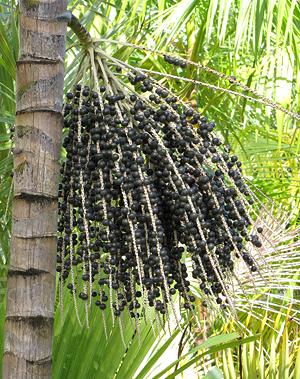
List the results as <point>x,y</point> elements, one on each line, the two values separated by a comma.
<point>31,276</point>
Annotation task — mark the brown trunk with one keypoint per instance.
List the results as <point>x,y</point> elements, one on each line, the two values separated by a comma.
<point>31,276</point>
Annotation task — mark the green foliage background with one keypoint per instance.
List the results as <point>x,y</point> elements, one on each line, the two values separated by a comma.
<point>258,42</point>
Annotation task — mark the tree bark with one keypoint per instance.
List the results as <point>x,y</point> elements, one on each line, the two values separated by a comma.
<point>31,276</point>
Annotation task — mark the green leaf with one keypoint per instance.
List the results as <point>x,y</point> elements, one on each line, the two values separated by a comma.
<point>213,349</point>
<point>156,356</point>
<point>214,373</point>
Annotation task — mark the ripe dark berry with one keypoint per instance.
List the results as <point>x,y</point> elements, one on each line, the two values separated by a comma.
<point>83,296</point>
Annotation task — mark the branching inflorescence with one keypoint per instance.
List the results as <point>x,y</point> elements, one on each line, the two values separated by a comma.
<point>145,181</point>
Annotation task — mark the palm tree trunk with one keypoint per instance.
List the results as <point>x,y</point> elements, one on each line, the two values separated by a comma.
<point>31,276</point>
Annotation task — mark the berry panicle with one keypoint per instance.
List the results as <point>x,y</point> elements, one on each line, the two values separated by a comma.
<point>145,181</point>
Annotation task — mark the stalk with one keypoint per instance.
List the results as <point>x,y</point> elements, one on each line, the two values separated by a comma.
<point>31,275</point>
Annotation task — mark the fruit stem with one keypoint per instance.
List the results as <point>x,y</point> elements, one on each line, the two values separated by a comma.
<point>82,34</point>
